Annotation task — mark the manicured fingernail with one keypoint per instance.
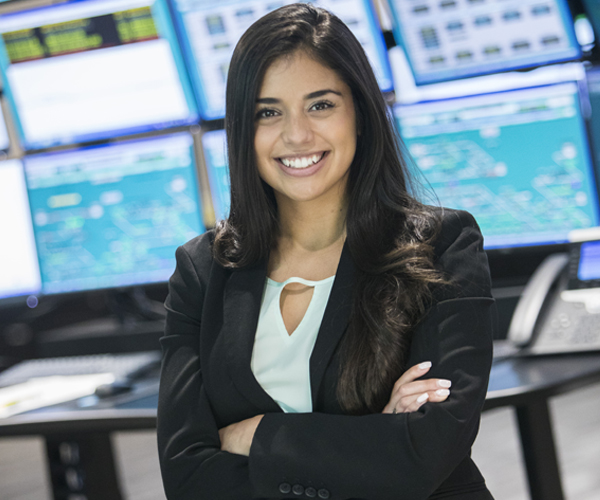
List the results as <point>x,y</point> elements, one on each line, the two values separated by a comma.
<point>425,365</point>
<point>442,392</point>
<point>423,397</point>
<point>444,383</point>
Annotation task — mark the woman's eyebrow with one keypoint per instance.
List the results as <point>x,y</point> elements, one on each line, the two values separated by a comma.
<point>321,93</point>
<point>267,100</point>
<point>312,95</point>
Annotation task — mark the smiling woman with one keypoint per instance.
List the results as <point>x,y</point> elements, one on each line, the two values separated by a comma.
<point>305,136</point>
<point>301,329</point>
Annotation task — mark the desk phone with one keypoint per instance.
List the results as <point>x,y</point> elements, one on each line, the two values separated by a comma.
<point>559,310</point>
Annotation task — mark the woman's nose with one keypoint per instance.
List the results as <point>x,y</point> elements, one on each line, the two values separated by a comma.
<point>297,129</point>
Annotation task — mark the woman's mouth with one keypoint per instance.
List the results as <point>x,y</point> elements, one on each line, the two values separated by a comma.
<point>302,161</point>
<point>302,166</point>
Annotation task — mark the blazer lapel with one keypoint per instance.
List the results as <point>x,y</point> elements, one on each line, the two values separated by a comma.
<point>243,295</point>
<point>335,321</point>
<point>242,298</point>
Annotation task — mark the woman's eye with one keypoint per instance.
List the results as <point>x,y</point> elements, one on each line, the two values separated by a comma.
<point>265,113</point>
<point>319,106</point>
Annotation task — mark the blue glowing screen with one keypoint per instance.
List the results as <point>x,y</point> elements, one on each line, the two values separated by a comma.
<point>215,156</point>
<point>519,161</point>
<point>113,215</point>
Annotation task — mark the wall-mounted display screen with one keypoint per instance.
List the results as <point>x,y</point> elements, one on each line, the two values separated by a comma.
<point>19,271</point>
<point>210,30</point>
<point>92,69</point>
<point>589,261</point>
<point>593,88</point>
<point>450,39</point>
<point>113,215</point>
<point>519,161</point>
<point>215,156</point>
<point>592,10</point>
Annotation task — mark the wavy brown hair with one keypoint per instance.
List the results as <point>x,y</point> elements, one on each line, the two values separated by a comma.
<point>388,231</point>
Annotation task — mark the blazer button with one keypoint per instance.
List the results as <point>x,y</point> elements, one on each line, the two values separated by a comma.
<point>323,493</point>
<point>310,492</point>
<point>298,489</point>
<point>285,488</point>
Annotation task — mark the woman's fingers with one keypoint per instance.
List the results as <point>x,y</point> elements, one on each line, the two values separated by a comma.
<point>413,373</point>
<point>420,386</point>
<point>417,403</point>
<point>413,402</point>
<point>409,394</point>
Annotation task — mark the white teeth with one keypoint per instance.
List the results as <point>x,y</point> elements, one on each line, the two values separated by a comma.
<point>303,162</point>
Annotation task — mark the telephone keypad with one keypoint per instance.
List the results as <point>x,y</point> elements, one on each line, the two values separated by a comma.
<point>568,327</point>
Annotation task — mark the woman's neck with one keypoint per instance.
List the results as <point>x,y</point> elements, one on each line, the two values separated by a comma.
<point>310,241</point>
<point>311,226</point>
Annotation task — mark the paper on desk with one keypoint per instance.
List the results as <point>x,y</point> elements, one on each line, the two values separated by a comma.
<point>46,391</point>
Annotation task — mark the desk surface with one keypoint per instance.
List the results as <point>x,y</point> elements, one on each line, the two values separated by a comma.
<point>513,382</point>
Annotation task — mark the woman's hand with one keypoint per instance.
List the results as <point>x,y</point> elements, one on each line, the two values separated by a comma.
<point>237,438</point>
<point>409,394</point>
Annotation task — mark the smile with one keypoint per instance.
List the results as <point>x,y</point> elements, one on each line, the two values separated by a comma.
<point>300,162</point>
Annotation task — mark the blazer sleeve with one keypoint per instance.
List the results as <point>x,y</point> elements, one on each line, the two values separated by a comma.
<point>403,456</point>
<point>191,461</point>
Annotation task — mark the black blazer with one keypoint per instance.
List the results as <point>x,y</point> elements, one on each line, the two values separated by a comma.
<point>207,383</point>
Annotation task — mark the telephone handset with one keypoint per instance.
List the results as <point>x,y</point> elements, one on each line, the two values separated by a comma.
<point>559,309</point>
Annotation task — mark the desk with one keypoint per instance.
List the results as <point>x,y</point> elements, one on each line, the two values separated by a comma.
<point>527,384</point>
<point>78,445</point>
<point>78,439</point>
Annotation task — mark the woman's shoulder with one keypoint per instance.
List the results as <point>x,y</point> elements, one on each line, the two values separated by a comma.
<point>457,229</point>
<point>197,253</point>
<point>459,254</point>
<point>200,246</point>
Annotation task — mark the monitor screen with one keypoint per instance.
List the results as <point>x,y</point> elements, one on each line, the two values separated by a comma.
<point>112,215</point>
<point>19,272</point>
<point>519,161</point>
<point>215,157</point>
<point>593,86</point>
<point>451,39</point>
<point>592,11</point>
<point>210,30</point>
<point>589,261</point>
<point>93,69</point>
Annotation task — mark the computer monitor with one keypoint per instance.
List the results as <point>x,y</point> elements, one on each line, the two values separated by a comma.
<point>19,271</point>
<point>519,161</point>
<point>93,69</point>
<point>112,215</point>
<point>593,87</point>
<point>210,30</point>
<point>215,158</point>
<point>452,39</point>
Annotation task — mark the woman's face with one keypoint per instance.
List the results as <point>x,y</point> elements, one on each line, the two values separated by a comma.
<point>305,136</point>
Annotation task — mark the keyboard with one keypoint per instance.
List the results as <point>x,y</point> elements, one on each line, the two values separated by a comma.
<point>123,366</point>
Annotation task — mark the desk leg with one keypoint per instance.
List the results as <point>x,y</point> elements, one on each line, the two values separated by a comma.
<point>82,466</point>
<point>537,441</point>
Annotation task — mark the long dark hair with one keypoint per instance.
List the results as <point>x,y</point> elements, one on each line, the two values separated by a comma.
<point>388,231</point>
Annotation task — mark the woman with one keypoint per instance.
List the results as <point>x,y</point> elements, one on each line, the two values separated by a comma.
<point>291,326</point>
